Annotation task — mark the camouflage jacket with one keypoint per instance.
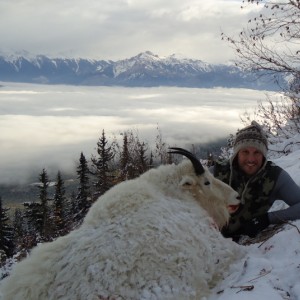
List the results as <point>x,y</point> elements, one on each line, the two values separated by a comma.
<point>254,191</point>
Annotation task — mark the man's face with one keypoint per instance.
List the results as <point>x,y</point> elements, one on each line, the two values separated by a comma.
<point>250,160</point>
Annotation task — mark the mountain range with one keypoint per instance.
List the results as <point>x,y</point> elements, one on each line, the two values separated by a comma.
<point>143,70</point>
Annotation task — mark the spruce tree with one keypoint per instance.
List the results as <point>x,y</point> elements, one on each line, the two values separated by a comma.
<point>101,167</point>
<point>126,163</point>
<point>82,202</point>
<point>60,208</point>
<point>133,161</point>
<point>45,228</point>
<point>142,163</point>
<point>6,233</point>
<point>161,149</point>
<point>19,230</point>
<point>151,160</point>
<point>38,213</point>
<point>33,224</point>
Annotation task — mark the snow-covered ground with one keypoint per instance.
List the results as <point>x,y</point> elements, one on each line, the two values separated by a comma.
<point>270,270</point>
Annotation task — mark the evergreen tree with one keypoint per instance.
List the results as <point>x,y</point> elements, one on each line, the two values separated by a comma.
<point>73,205</point>
<point>126,164</point>
<point>101,166</point>
<point>60,208</point>
<point>6,233</point>
<point>38,213</point>
<point>142,163</point>
<point>161,149</point>
<point>133,161</point>
<point>18,224</point>
<point>82,202</point>
<point>45,228</point>
<point>151,160</point>
<point>33,224</point>
<point>19,230</point>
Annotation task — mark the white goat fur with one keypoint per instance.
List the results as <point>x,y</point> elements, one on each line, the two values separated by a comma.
<point>147,238</point>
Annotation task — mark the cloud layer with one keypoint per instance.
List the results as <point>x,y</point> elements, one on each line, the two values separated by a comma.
<point>48,126</point>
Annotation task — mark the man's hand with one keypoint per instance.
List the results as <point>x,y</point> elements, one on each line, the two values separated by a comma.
<point>255,225</point>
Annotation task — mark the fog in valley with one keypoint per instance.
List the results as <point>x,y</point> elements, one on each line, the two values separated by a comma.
<point>45,126</point>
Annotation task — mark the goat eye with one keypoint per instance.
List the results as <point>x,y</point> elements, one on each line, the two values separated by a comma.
<point>187,183</point>
<point>206,183</point>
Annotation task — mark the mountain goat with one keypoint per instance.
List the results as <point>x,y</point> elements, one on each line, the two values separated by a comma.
<point>154,237</point>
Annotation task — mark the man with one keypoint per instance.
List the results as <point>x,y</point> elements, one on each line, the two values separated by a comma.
<point>259,182</point>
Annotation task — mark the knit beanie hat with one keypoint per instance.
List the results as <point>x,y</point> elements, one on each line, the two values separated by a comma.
<point>251,136</point>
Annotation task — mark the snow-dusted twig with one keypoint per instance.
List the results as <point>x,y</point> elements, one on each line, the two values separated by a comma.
<point>290,223</point>
<point>294,226</point>
<point>261,275</point>
<point>243,288</point>
<point>290,144</point>
<point>278,229</point>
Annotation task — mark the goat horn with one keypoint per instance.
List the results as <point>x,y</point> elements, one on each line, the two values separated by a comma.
<point>195,161</point>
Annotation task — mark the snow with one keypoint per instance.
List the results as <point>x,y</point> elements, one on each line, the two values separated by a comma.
<point>151,61</point>
<point>271,267</point>
<point>270,270</point>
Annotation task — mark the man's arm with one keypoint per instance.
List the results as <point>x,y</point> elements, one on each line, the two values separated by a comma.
<point>288,191</point>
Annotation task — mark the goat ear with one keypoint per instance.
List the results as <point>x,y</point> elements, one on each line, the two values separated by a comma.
<point>199,170</point>
<point>187,182</point>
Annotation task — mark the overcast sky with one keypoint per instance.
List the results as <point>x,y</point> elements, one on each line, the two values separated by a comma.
<point>118,29</point>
